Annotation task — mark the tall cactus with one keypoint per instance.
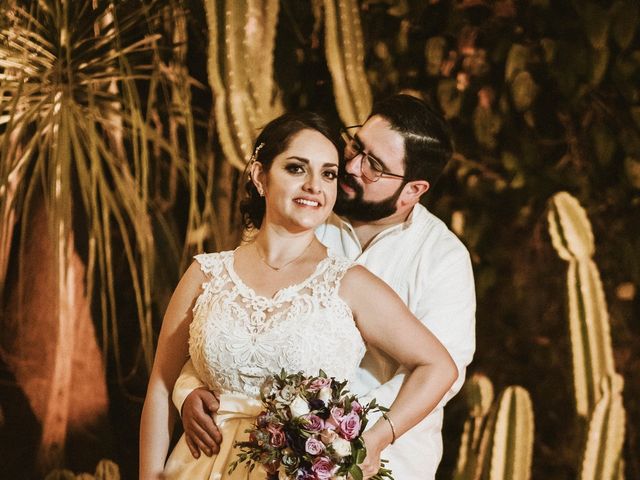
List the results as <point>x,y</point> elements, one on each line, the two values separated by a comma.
<point>473,445</point>
<point>240,68</point>
<point>345,57</point>
<point>513,436</point>
<point>598,388</point>
<point>572,238</point>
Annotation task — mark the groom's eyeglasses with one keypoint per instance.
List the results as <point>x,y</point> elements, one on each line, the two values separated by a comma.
<point>370,168</point>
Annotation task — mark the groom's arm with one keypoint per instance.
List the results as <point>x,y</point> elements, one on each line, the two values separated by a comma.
<point>447,307</point>
<point>196,404</point>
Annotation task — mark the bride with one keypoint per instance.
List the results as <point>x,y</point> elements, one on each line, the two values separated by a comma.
<point>283,301</point>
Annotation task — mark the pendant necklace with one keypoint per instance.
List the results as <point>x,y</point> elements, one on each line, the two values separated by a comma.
<point>277,269</point>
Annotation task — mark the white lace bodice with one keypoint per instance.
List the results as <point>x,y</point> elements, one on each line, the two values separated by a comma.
<point>237,338</point>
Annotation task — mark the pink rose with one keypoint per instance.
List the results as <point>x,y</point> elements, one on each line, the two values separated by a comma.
<point>314,422</point>
<point>335,417</point>
<point>313,446</point>
<point>350,426</point>
<point>319,383</point>
<point>323,468</point>
<point>356,407</point>
<point>277,438</point>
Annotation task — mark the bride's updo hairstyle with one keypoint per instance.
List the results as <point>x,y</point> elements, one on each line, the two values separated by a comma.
<point>272,141</point>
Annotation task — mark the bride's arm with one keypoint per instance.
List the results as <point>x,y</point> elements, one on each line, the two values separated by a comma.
<point>158,415</point>
<point>386,323</point>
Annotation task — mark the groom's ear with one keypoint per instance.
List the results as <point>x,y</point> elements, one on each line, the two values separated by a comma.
<point>412,192</point>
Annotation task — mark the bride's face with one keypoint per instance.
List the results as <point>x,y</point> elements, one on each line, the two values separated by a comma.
<point>300,186</point>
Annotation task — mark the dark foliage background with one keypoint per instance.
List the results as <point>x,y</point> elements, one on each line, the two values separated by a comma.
<point>541,96</point>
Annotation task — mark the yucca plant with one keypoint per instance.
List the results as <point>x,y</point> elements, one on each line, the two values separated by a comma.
<point>78,147</point>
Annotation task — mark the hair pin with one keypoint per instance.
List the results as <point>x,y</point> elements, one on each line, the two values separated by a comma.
<point>254,155</point>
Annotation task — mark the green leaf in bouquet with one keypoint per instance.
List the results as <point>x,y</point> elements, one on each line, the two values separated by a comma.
<point>360,452</point>
<point>356,472</point>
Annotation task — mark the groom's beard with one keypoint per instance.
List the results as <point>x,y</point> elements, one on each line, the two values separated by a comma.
<point>361,210</point>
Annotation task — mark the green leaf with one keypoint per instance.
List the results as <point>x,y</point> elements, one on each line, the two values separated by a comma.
<point>604,143</point>
<point>516,61</point>
<point>625,17</point>
<point>523,90</point>
<point>632,170</point>
<point>599,64</point>
<point>449,98</point>
<point>434,52</point>
<point>596,24</point>
<point>356,472</point>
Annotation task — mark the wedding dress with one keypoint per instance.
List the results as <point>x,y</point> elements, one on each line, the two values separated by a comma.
<point>237,338</point>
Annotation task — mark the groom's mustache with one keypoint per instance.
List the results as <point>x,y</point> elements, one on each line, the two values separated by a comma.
<point>350,181</point>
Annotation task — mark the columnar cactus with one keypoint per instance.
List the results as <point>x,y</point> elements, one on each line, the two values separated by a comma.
<point>602,459</point>
<point>240,67</point>
<point>345,58</point>
<point>473,446</point>
<point>598,388</point>
<point>572,238</point>
<point>512,440</point>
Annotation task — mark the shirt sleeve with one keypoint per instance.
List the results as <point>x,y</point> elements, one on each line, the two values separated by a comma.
<point>186,383</point>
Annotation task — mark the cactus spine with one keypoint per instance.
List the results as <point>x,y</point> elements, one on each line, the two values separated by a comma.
<point>345,58</point>
<point>572,238</point>
<point>240,68</point>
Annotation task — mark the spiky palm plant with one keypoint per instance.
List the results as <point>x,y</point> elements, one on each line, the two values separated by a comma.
<point>81,143</point>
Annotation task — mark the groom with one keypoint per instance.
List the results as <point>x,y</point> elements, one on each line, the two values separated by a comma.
<point>391,162</point>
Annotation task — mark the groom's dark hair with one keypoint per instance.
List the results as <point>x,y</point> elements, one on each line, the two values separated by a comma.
<point>427,138</point>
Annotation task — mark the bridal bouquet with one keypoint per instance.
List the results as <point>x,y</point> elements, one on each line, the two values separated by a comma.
<point>310,429</point>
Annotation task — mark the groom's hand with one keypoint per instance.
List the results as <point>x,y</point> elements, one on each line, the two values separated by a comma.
<point>200,430</point>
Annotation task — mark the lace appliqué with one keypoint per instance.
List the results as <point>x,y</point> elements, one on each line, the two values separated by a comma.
<point>238,338</point>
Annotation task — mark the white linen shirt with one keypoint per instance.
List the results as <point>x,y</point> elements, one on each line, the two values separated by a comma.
<point>430,269</point>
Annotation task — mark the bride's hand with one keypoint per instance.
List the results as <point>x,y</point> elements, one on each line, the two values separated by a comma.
<point>374,443</point>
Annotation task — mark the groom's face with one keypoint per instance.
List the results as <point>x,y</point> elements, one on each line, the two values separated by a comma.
<point>359,198</point>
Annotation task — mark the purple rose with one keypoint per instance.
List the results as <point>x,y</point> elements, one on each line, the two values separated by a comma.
<point>313,446</point>
<point>314,422</point>
<point>335,417</point>
<point>319,383</point>
<point>356,407</point>
<point>323,468</point>
<point>350,426</point>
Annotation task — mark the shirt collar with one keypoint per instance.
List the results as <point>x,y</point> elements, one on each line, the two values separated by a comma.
<point>411,219</point>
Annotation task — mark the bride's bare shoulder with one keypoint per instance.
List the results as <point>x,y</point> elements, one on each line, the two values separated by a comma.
<point>359,278</point>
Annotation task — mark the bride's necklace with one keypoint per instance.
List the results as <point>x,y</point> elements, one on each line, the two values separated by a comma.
<point>277,269</point>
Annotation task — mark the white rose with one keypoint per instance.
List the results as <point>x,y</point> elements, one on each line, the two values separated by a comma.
<point>325,394</point>
<point>341,446</point>
<point>299,407</point>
